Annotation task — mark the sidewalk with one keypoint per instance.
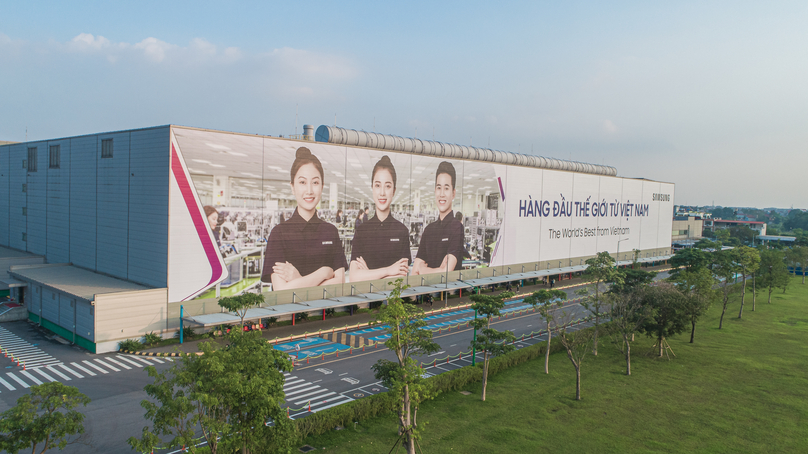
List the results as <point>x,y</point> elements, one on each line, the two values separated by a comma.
<point>313,326</point>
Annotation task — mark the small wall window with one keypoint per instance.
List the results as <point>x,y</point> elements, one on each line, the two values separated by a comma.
<point>24,187</point>
<point>24,163</point>
<point>25,211</point>
<point>54,157</point>
<point>53,296</point>
<point>106,148</point>
<point>92,311</point>
<point>25,238</point>
<point>32,159</point>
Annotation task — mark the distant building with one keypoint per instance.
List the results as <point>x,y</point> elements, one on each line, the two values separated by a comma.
<point>717,224</point>
<point>686,231</point>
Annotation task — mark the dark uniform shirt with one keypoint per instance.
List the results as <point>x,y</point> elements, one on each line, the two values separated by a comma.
<point>306,245</point>
<point>381,243</point>
<point>440,238</point>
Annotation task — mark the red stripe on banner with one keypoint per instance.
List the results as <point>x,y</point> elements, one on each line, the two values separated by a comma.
<point>196,216</point>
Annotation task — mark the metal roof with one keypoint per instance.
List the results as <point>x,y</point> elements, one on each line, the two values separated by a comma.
<point>226,318</point>
<point>6,253</point>
<point>72,280</point>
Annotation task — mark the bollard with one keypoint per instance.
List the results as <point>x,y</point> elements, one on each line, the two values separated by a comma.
<point>307,360</point>
<point>435,364</point>
<point>350,350</point>
<point>337,353</point>
<point>323,356</point>
<point>287,415</point>
<point>309,406</point>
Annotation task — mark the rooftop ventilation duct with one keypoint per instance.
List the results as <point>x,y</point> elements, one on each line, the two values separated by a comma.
<point>352,137</point>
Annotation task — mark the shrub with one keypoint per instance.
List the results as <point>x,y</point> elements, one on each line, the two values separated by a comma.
<point>330,312</point>
<point>187,333</point>
<point>151,339</point>
<point>375,304</point>
<point>302,317</point>
<point>129,345</point>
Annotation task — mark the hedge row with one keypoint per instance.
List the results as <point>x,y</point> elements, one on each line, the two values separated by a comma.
<point>381,404</point>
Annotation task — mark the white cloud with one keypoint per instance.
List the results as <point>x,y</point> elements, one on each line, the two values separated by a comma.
<point>154,49</point>
<point>86,41</point>
<point>609,127</point>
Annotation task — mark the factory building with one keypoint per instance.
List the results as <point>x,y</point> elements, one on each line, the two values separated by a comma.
<point>105,237</point>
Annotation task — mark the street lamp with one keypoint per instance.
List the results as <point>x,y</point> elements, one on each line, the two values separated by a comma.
<point>617,263</point>
<point>474,339</point>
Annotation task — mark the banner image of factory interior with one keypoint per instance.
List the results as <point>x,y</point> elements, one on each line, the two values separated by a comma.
<point>113,235</point>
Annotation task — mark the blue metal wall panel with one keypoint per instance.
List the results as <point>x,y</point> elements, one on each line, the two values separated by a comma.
<point>5,192</point>
<point>66,311</point>
<point>36,200</point>
<point>50,305</point>
<point>58,204</point>
<point>148,206</point>
<point>83,209</point>
<point>17,198</point>
<point>85,325</point>
<point>113,210</point>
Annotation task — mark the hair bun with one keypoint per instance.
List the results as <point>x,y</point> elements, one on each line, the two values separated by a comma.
<point>302,152</point>
<point>385,160</point>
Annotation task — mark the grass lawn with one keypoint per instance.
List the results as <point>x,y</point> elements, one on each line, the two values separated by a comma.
<point>740,389</point>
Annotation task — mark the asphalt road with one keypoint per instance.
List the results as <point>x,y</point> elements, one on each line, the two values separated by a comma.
<point>115,382</point>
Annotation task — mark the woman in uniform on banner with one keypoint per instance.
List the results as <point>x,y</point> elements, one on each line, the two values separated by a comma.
<point>441,246</point>
<point>304,251</point>
<point>381,247</point>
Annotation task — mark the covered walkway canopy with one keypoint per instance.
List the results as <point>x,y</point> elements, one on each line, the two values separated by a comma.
<point>281,310</point>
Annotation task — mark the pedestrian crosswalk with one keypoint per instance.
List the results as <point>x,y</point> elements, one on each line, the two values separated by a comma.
<point>303,397</point>
<point>22,351</point>
<point>65,372</point>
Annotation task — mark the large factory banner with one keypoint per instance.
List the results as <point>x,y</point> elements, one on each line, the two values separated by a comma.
<point>283,214</point>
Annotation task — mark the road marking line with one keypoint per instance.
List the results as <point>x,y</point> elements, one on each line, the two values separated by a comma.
<point>302,391</point>
<point>51,369</point>
<point>5,383</point>
<point>30,377</point>
<point>138,358</point>
<point>285,389</point>
<point>293,381</point>
<point>316,397</point>
<point>42,373</point>
<point>78,375</point>
<point>83,369</point>
<point>123,358</point>
<point>24,385</point>
<point>103,363</point>
<point>336,400</point>
<point>156,360</point>
<point>438,353</point>
<point>117,363</point>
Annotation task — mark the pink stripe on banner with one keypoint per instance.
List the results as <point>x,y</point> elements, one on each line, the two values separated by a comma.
<point>199,222</point>
<point>501,191</point>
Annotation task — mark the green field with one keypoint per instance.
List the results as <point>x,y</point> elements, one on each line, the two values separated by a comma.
<point>741,389</point>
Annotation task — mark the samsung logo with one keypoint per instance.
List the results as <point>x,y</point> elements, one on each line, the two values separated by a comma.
<point>393,239</point>
<point>328,242</point>
<point>662,197</point>
<point>445,239</point>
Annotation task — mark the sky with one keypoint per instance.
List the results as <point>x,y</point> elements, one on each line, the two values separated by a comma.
<point>711,96</point>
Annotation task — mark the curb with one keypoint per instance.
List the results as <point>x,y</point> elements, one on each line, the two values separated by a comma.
<point>173,354</point>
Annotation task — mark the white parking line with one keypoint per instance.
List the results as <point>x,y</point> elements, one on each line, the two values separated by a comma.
<point>14,377</point>
<point>123,358</point>
<point>77,366</point>
<point>138,358</point>
<point>76,374</point>
<point>316,397</point>
<point>42,373</point>
<point>7,385</point>
<point>104,364</point>
<point>30,377</point>
<point>51,369</point>
<point>118,363</point>
<point>302,391</point>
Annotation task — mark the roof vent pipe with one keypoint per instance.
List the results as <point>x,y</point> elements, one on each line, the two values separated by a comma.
<point>352,137</point>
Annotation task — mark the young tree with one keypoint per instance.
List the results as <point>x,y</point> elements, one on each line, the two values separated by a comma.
<point>628,314</point>
<point>547,302</point>
<point>44,418</point>
<point>748,261</point>
<point>798,255</point>
<point>724,268</point>
<point>773,271</point>
<point>240,303</point>
<point>229,393</point>
<point>668,315</point>
<point>689,259</point>
<point>490,341</point>
<point>576,343</point>
<point>600,270</point>
<point>698,286</point>
<point>408,337</point>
